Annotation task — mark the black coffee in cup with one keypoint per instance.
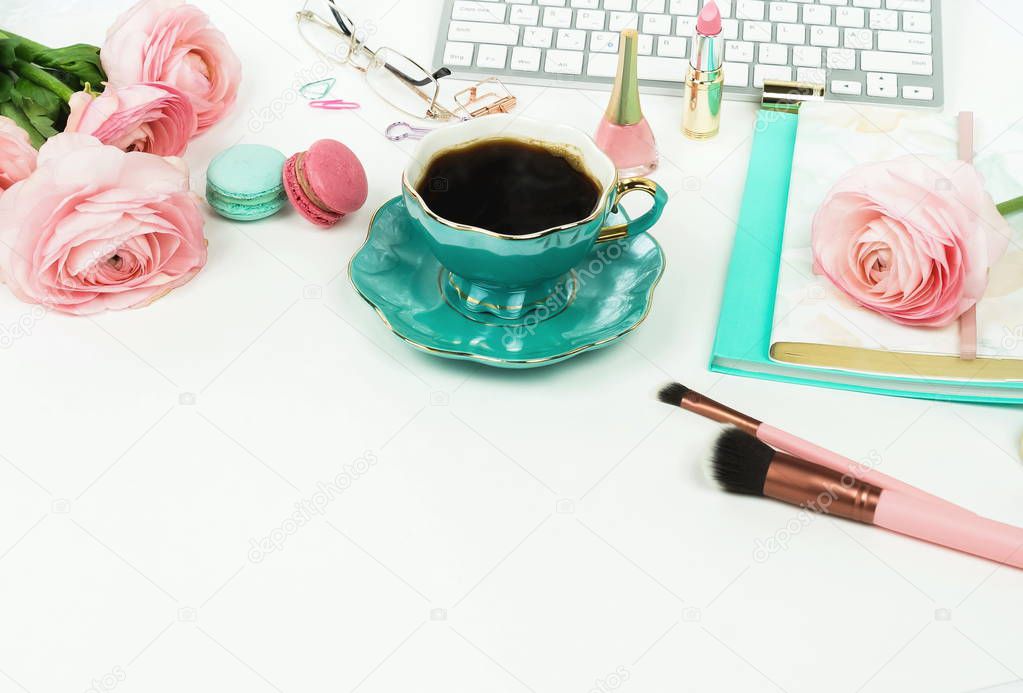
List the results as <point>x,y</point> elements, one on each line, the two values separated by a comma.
<point>509,186</point>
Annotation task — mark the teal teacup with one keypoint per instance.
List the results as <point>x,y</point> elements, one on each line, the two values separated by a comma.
<point>491,271</point>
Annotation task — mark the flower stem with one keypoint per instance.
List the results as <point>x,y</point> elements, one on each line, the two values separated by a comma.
<point>1011,206</point>
<point>44,79</point>
<point>28,45</point>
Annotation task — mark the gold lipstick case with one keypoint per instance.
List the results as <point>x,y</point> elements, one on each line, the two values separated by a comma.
<point>704,90</point>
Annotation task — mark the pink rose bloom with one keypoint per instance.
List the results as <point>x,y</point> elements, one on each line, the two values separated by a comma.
<point>912,238</point>
<point>95,228</point>
<point>171,42</point>
<point>17,155</point>
<point>154,118</point>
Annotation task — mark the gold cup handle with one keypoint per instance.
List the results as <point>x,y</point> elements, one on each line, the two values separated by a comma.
<point>645,222</point>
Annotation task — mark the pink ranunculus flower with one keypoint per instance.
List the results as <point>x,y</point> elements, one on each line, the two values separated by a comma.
<point>95,228</point>
<point>173,42</point>
<point>154,118</point>
<point>17,155</point>
<point>912,239</point>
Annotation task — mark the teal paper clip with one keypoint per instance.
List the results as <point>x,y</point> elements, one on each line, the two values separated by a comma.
<point>318,89</point>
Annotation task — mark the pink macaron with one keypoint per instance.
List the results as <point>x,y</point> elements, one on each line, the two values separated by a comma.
<point>326,182</point>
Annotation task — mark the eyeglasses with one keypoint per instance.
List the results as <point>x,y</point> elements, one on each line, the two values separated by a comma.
<point>395,77</point>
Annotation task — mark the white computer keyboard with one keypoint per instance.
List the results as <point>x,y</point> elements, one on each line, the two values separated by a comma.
<point>874,51</point>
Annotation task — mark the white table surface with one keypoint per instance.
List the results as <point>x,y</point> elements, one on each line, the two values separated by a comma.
<point>547,531</point>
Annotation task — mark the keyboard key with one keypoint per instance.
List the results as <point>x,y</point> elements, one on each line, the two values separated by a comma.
<point>859,39</point>
<point>882,84</point>
<point>525,14</point>
<point>806,56</point>
<point>774,54</point>
<point>730,29</point>
<point>481,32</point>
<point>584,4</point>
<point>816,14</point>
<point>903,42</point>
<point>784,12</point>
<point>671,46</point>
<point>525,59</point>
<point>909,5</point>
<point>885,20</point>
<point>867,3</point>
<point>850,16</point>
<point>618,5</point>
<point>592,20</point>
<point>623,20</point>
<point>560,62</point>
<point>557,17</point>
<point>914,21</point>
<point>739,51</point>
<point>841,86</point>
<point>750,9</point>
<point>812,75</point>
<point>571,40</point>
<point>602,65</point>
<point>663,69</point>
<point>841,59</point>
<point>478,11</point>
<point>736,74</point>
<point>905,63</point>
<point>458,54</point>
<point>491,57</point>
<point>658,24</point>
<point>918,93</point>
<point>792,34</point>
<point>542,37</point>
<point>775,72</point>
<point>686,7</point>
<point>824,36</point>
<point>604,42</point>
<point>756,31</point>
<point>646,44</point>
<point>685,26</point>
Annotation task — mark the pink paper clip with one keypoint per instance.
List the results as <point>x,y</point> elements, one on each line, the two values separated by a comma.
<point>334,105</point>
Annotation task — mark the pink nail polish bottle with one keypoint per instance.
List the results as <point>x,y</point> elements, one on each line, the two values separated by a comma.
<point>624,134</point>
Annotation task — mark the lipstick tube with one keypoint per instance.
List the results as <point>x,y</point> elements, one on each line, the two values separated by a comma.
<point>705,80</point>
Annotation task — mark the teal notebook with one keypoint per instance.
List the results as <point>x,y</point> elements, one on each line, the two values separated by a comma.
<point>744,336</point>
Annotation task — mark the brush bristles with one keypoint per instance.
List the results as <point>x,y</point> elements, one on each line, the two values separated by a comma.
<point>741,462</point>
<point>673,394</point>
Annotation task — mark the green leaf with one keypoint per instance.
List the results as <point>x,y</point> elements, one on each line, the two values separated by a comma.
<point>8,52</point>
<point>33,98</point>
<point>6,86</point>
<point>80,60</point>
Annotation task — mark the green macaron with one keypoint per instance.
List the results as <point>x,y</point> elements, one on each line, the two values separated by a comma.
<point>244,182</point>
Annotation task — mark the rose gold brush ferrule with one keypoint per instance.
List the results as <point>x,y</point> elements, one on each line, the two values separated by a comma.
<point>715,411</point>
<point>811,486</point>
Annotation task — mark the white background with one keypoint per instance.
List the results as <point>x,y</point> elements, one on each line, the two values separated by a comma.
<point>520,531</point>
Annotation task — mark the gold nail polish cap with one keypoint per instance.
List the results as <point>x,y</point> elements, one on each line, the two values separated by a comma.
<point>624,108</point>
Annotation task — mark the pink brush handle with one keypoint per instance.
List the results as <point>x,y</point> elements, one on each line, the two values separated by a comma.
<point>798,447</point>
<point>921,519</point>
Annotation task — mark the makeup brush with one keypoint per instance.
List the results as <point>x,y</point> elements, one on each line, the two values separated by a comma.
<point>681,396</point>
<point>743,464</point>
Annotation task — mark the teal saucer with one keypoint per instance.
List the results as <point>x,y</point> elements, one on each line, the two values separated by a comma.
<point>607,296</point>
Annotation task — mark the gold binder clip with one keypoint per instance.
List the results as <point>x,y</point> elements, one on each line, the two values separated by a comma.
<point>486,97</point>
<point>787,97</point>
